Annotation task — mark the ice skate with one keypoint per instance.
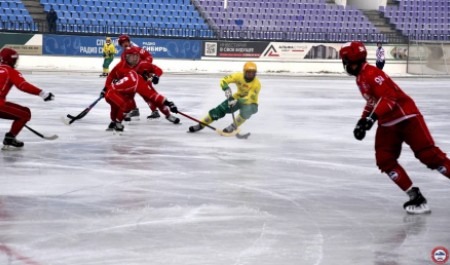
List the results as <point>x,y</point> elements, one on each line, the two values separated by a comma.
<point>173,119</point>
<point>417,203</point>
<point>111,126</point>
<point>133,115</point>
<point>11,143</point>
<point>118,128</point>
<point>196,128</point>
<point>154,115</point>
<point>103,75</point>
<point>231,128</point>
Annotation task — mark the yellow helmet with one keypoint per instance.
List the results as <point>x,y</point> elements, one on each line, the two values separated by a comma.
<point>108,39</point>
<point>249,66</point>
<point>249,71</point>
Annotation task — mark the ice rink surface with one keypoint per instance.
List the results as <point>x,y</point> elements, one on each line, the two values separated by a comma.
<point>299,191</point>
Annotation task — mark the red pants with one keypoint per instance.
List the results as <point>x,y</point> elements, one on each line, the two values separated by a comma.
<point>153,99</point>
<point>120,104</point>
<point>21,115</point>
<point>415,133</point>
<point>150,104</point>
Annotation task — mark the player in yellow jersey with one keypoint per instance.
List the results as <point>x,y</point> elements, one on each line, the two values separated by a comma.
<point>108,55</point>
<point>245,99</point>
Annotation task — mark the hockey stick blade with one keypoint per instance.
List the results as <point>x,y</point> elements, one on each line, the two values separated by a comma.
<point>66,121</point>
<point>242,136</point>
<point>233,133</point>
<point>51,137</point>
<point>220,132</point>
<point>70,121</point>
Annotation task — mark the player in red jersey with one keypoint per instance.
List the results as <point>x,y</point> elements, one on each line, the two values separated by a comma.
<point>20,115</point>
<point>124,42</point>
<point>125,80</point>
<point>154,99</point>
<point>120,88</point>
<point>399,121</point>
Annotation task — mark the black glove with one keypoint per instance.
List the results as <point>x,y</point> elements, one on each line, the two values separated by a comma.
<point>359,132</point>
<point>173,108</point>
<point>47,96</point>
<point>102,94</point>
<point>370,120</point>
<point>155,79</point>
<point>363,125</point>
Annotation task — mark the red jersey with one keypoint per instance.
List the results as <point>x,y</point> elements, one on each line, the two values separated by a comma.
<point>143,55</point>
<point>118,72</point>
<point>145,67</point>
<point>391,104</point>
<point>122,68</point>
<point>9,77</point>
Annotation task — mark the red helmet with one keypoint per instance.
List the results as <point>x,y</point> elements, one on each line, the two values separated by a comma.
<point>8,56</point>
<point>123,38</point>
<point>132,55</point>
<point>354,51</point>
<point>353,55</point>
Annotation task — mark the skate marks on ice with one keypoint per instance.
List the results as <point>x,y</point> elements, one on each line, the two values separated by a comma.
<point>300,190</point>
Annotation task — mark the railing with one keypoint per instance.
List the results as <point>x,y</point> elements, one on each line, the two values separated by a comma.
<point>285,36</point>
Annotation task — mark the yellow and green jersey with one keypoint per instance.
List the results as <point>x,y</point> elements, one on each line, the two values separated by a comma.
<point>247,91</point>
<point>109,50</point>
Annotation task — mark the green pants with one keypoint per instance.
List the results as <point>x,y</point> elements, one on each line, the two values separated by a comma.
<point>245,111</point>
<point>107,62</point>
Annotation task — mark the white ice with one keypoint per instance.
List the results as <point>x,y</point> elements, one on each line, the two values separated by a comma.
<point>300,191</point>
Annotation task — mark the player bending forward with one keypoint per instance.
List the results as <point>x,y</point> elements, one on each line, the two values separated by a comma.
<point>124,42</point>
<point>125,80</point>
<point>399,120</point>
<point>245,99</point>
<point>11,111</point>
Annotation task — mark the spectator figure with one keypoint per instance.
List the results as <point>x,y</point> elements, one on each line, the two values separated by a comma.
<point>380,56</point>
<point>52,17</point>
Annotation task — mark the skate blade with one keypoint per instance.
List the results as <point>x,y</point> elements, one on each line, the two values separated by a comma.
<point>422,209</point>
<point>134,118</point>
<point>119,133</point>
<point>233,133</point>
<point>242,136</point>
<point>11,148</point>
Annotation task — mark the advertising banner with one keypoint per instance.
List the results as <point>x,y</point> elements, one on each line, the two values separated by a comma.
<point>270,50</point>
<point>240,49</point>
<point>92,46</point>
<point>26,49</point>
<point>300,51</point>
<point>24,44</point>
